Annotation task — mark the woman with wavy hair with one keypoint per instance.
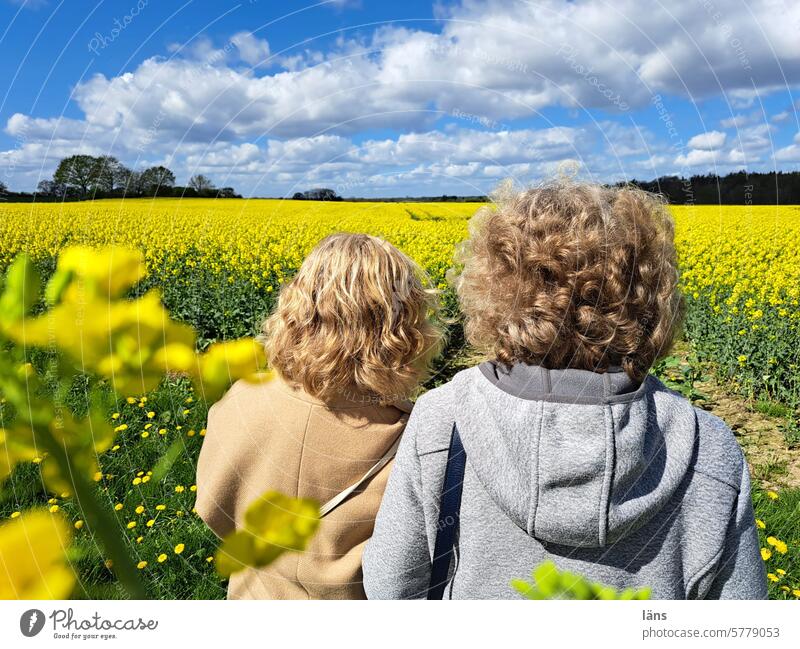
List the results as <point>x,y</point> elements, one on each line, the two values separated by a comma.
<point>561,446</point>
<point>350,340</point>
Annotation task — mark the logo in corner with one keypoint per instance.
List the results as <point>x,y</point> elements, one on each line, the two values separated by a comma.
<point>31,622</point>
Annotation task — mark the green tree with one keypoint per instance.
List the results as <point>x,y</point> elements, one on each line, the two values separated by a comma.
<point>78,172</point>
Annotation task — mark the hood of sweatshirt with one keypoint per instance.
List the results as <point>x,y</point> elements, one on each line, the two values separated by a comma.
<point>575,457</point>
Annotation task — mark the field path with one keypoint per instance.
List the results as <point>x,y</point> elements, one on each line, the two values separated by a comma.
<point>771,459</point>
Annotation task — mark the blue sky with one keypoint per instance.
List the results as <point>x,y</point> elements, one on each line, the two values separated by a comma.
<point>387,98</point>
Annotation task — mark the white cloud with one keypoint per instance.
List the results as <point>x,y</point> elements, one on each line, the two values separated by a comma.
<point>712,158</point>
<point>709,141</point>
<point>498,60</point>
<point>252,50</point>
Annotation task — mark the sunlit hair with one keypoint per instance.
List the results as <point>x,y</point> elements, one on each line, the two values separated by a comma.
<point>358,321</point>
<point>572,275</point>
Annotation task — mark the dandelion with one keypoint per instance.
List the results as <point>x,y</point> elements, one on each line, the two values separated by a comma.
<point>179,548</point>
<point>145,434</point>
<point>141,565</point>
<point>151,414</point>
<point>760,524</point>
<point>131,400</point>
<point>779,545</point>
<point>139,509</point>
<point>131,525</point>
<point>209,559</point>
<point>180,489</point>
<point>15,515</point>
<point>54,509</point>
<point>150,523</point>
<point>781,572</point>
<point>193,487</point>
<point>146,479</point>
<point>772,577</point>
<point>202,432</point>
<point>117,507</point>
<point>162,558</point>
<point>139,539</point>
<point>766,554</point>
<point>796,592</point>
<point>120,428</point>
<point>161,508</point>
<point>137,481</point>
<point>115,447</point>
<point>772,495</point>
<point>78,525</point>
<point>115,416</point>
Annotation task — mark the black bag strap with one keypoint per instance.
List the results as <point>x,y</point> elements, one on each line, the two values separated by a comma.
<point>449,507</point>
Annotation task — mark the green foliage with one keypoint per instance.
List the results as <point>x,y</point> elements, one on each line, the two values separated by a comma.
<point>551,583</point>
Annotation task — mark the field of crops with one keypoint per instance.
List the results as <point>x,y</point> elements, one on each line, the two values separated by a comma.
<point>220,263</point>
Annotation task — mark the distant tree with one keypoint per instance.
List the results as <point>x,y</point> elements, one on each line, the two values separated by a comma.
<point>227,192</point>
<point>107,170</point>
<point>201,184</point>
<point>78,171</point>
<point>299,196</point>
<point>156,178</point>
<point>3,188</point>
<point>321,194</point>
<point>51,188</point>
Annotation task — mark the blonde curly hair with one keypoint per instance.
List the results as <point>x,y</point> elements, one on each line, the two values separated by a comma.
<point>572,275</point>
<point>358,320</point>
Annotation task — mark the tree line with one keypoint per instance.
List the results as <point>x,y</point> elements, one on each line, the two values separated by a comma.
<point>738,188</point>
<point>81,177</point>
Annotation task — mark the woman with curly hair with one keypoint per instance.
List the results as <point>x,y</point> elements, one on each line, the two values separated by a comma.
<point>561,446</point>
<point>350,340</point>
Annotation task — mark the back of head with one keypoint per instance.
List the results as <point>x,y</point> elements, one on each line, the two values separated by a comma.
<point>356,321</point>
<point>572,275</point>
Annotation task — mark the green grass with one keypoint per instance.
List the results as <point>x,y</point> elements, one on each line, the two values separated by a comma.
<point>185,576</point>
<point>780,517</point>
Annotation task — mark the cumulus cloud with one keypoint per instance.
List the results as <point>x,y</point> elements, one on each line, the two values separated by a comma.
<point>496,60</point>
<point>709,141</point>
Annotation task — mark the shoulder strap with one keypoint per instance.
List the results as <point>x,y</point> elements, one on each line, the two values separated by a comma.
<point>449,508</point>
<point>339,498</point>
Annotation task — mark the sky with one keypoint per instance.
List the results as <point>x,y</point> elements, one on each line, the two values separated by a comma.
<point>377,98</point>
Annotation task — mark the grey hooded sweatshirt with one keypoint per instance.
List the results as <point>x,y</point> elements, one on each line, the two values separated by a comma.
<point>627,484</point>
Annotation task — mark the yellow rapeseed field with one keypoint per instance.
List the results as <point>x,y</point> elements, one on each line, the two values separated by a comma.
<point>219,260</point>
<point>218,266</point>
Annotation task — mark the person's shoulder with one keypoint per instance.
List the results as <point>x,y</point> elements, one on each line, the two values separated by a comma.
<point>249,396</point>
<point>434,413</point>
<point>718,454</point>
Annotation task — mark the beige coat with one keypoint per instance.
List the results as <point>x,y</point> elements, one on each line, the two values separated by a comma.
<point>273,436</point>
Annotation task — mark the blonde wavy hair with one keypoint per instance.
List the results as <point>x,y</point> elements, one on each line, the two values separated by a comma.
<point>572,275</point>
<point>358,320</point>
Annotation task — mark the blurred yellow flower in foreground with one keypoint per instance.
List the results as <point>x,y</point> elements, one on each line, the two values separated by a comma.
<point>33,562</point>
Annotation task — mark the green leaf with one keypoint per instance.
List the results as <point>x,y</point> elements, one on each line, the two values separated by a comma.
<point>21,291</point>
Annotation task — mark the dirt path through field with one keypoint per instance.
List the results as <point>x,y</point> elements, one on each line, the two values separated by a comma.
<point>772,461</point>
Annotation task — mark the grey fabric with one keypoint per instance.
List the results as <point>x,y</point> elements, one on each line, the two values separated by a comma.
<point>629,485</point>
